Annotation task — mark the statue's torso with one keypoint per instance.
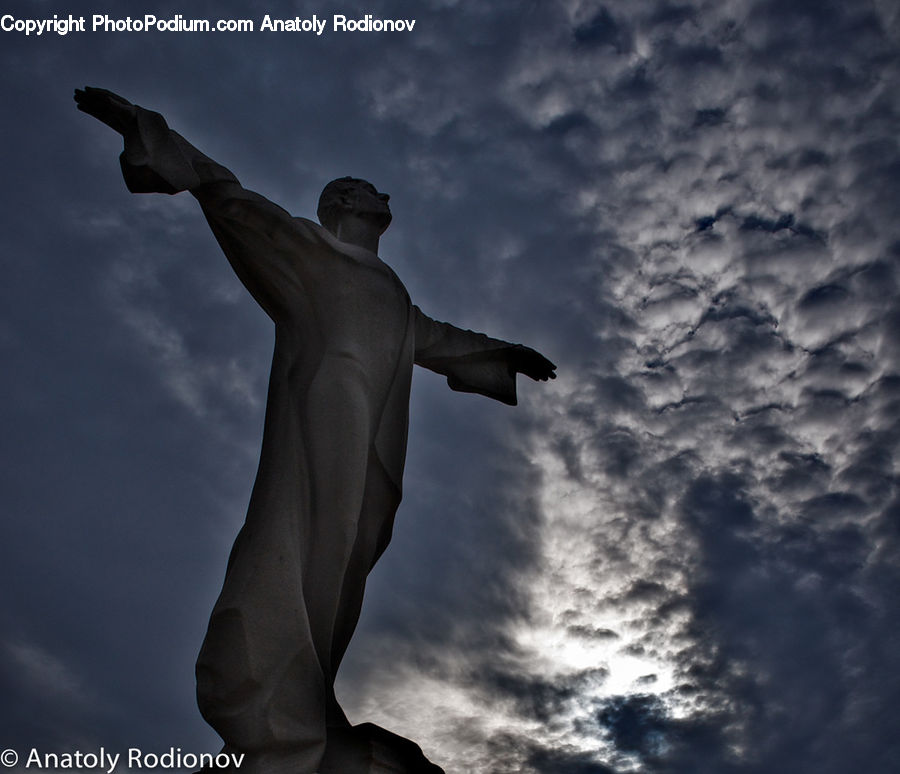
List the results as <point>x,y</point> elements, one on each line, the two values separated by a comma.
<point>359,308</point>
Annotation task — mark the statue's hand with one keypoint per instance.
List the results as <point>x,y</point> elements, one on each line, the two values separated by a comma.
<point>114,111</point>
<point>524,360</point>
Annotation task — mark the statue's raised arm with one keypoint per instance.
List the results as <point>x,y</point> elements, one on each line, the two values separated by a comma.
<point>155,159</point>
<point>114,111</point>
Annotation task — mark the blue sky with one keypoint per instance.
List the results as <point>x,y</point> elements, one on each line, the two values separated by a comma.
<point>681,554</point>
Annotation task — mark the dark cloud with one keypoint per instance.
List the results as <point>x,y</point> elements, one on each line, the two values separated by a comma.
<point>636,724</point>
<point>710,117</point>
<point>603,30</point>
<point>557,762</point>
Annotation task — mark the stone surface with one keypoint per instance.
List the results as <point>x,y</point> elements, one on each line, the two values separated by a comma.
<point>371,749</point>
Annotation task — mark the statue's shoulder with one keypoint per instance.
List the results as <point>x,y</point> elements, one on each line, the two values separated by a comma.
<point>241,205</point>
<point>313,231</point>
<point>311,225</point>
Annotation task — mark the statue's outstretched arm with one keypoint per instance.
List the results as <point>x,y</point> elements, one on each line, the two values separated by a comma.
<point>157,159</point>
<point>473,362</point>
<point>528,361</point>
<point>114,111</point>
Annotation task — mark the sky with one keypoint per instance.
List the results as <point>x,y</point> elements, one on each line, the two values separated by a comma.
<point>680,556</point>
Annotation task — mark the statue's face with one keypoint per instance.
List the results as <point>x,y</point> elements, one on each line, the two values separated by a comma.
<point>367,202</point>
<point>352,196</point>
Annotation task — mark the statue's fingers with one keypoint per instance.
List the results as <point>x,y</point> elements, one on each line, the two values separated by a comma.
<point>106,95</point>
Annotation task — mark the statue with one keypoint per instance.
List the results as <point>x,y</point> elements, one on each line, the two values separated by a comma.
<point>334,440</point>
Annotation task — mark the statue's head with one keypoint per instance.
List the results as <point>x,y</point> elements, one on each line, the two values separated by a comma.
<point>350,195</point>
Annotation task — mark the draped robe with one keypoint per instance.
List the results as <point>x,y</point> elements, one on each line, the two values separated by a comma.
<point>334,441</point>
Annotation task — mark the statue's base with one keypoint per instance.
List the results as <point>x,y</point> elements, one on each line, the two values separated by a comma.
<point>362,749</point>
<point>369,749</point>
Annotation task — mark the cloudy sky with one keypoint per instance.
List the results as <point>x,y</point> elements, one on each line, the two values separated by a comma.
<point>680,556</point>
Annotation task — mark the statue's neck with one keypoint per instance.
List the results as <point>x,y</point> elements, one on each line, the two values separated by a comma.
<point>357,231</point>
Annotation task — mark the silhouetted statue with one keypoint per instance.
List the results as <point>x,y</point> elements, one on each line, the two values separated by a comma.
<point>330,470</point>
